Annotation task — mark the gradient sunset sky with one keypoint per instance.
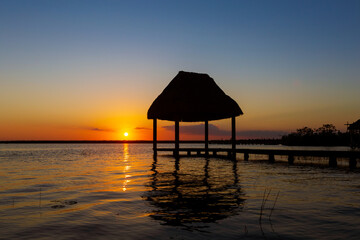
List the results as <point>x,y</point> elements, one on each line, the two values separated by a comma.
<point>76,70</point>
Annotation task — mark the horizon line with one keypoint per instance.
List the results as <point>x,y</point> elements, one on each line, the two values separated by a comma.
<point>130,141</point>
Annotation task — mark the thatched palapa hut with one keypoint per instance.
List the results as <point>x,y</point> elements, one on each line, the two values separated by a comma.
<point>192,97</point>
<point>354,130</point>
<point>354,127</point>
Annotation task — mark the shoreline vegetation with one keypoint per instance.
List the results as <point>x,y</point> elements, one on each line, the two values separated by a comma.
<point>326,135</point>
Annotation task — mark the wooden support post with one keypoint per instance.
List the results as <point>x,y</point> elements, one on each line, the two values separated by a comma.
<point>155,136</point>
<point>291,159</point>
<point>246,156</point>
<point>206,138</point>
<point>332,161</point>
<point>189,153</point>
<point>214,153</point>
<point>352,162</point>
<point>198,153</point>
<point>233,133</point>
<point>176,152</point>
<point>271,158</point>
<point>233,137</point>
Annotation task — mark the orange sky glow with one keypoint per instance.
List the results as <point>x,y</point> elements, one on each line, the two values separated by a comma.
<point>67,75</point>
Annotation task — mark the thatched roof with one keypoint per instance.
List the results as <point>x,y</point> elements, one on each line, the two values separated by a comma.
<point>193,97</point>
<point>355,125</point>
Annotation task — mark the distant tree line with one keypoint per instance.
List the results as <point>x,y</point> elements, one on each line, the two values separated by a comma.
<point>327,135</point>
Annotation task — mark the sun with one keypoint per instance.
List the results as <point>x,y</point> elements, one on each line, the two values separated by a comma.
<point>126,134</point>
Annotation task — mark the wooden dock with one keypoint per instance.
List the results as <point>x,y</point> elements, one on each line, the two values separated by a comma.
<point>230,153</point>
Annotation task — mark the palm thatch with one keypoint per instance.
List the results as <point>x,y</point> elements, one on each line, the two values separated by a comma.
<point>193,97</point>
<point>354,125</point>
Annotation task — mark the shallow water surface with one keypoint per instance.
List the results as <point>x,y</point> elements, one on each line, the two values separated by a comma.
<point>119,191</point>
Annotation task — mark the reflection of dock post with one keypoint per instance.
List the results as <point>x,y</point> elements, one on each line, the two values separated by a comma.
<point>177,200</point>
<point>153,166</point>
<point>176,152</point>
<point>155,173</point>
<point>155,136</point>
<point>206,138</point>
<point>236,184</point>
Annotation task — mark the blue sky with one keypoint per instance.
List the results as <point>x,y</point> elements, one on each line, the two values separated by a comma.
<point>288,64</point>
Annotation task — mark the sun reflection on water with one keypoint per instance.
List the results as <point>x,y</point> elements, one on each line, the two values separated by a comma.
<point>127,167</point>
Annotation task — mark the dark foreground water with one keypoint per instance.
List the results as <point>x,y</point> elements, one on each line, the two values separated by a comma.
<point>119,191</point>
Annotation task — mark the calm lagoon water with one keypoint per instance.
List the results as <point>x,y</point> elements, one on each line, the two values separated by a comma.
<point>119,191</point>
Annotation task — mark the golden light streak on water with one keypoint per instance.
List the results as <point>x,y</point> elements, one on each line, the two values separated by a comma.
<point>127,167</point>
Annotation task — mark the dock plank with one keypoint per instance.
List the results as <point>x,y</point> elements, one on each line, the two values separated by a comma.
<point>332,155</point>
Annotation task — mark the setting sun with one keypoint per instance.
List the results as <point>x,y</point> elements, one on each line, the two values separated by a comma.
<point>126,134</point>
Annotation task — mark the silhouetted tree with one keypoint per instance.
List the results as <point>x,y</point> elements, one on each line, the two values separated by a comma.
<point>305,131</point>
<point>327,129</point>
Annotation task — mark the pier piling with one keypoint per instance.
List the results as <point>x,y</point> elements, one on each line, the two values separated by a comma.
<point>291,159</point>
<point>176,153</point>
<point>271,158</point>
<point>332,161</point>
<point>246,156</point>
<point>155,136</point>
<point>352,162</point>
<point>206,138</point>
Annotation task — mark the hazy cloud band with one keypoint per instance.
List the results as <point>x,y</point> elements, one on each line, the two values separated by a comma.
<point>216,131</point>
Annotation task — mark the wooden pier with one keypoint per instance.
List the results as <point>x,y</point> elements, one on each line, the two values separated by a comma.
<point>230,153</point>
